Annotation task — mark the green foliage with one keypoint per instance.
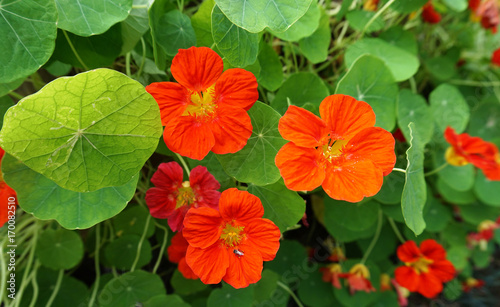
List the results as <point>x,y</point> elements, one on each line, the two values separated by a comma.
<point>59,249</point>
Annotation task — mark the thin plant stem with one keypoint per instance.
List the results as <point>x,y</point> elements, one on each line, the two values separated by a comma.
<point>162,248</point>
<point>96,264</point>
<point>396,230</point>
<point>183,162</point>
<point>294,56</point>
<point>437,170</point>
<point>379,12</point>
<point>143,60</point>
<point>56,289</point>
<point>399,170</point>
<point>287,289</point>
<point>475,83</point>
<point>139,246</point>
<point>413,85</point>
<point>127,64</point>
<point>74,50</point>
<point>34,284</point>
<point>16,95</point>
<point>31,249</point>
<point>375,238</point>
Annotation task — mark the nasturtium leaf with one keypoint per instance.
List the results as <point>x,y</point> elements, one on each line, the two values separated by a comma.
<point>131,288</point>
<point>344,8</point>
<point>5,103</point>
<point>89,17</point>
<point>341,233</point>
<point>271,74</point>
<point>358,20</point>
<point>202,24</point>
<point>485,121</point>
<point>413,108</point>
<point>122,251</point>
<point>28,31</point>
<point>6,88</point>
<point>398,37</point>
<point>460,178</point>
<point>456,5</point>
<point>136,24</point>
<point>315,292</point>
<point>184,286</point>
<point>442,67</point>
<point>454,196</point>
<point>253,68</point>
<point>455,234</point>
<point>449,108</point>
<point>415,190</point>
<point>237,45</point>
<point>163,300</point>
<point>315,46</point>
<point>392,189</point>
<point>227,296</point>
<point>482,258</point>
<point>174,31</point>
<point>282,206</point>
<point>304,27</point>
<point>393,212</point>
<point>486,190</point>
<point>400,62</point>
<point>255,162</point>
<point>59,249</point>
<point>361,298</point>
<point>370,80</point>
<point>355,217</point>
<point>86,132</point>
<point>155,12</point>
<point>57,68</point>
<point>133,221</point>
<point>255,15</point>
<point>213,166</point>
<point>437,216</point>
<point>290,254</point>
<point>406,6</point>
<point>73,210</point>
<point>266,286</point>
<point>299,89</point>
<point>458,255</point>
<point>453,290</point>
<point>477,212</point>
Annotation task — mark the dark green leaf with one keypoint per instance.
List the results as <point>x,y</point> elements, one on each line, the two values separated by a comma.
<point>133,221</point>
<point>271,74</point>
<point>186,287</point>
<point>227,296</point>
<point>398,37</point>
<point>487,191</point>
<point>454,196</point>
<point>121,252</point>
<point>413,108</point>
<point>315,46</point>
<point>355,217</point>
<point>449,108</point>
<point>59,249</point>
<point>174,31</point>
<point>136,24</point>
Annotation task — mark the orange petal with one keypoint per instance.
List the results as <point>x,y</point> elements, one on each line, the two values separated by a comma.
<point>172,98</point>
<point>197,68</point>
<point>186,270</point>
<point>202,227</point>
<point>375,144</point>
<point>177,249</point>
<point>407,277</point>
<point>444,270</point>
<point>300,167</point>
<point>492,172</point>
<point>209,264</point>
<point>302,127</point>
<point>240,206</point>
<point>345,116</point>
<point>408,252</point>
<point>246,269</point>
<point>432,250</point>
<point>430,285</point>
<point>161,202</point>
<point>189,137</point>
<point>231,128</point>
<point>237,87</point>
<point>352,180</point>
<point>264,235</point>
<point>168,176</point>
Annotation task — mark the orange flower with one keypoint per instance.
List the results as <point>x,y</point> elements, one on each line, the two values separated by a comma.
<point>6,192</point>
<point>401,292</point>
<point>385,282</point>
<point>485,11</point>
<point>331,274</point>
<point>232,243</point>
<point>429,14</point>
<point>495,58</point>
<point>484,235</point>
<point>472,283</point>
<point>370,5</point>
<point>207,109</point>
<point>342,151</point>
<point>426,268</point>
<point>337,254</point>
<point>466,149</point>
<point>177,254</point>
<point>358,279</point>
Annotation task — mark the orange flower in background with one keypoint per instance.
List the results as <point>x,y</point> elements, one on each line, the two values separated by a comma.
<point>232,243</point>
<point>358,279</point>
<point>426,268</point>
<point>331,274</point>
<point>385,282</point>
<point>401,292</point>
<point>466,149</point>
<point>429,14</point>
<point>342,151</point>
<point>472,283</point>
<point>207,109</point>
<point>171,198</point>
<point>495,58</point>
<point>370,5</point>
<point>485,11</point>
<point>485,233</point>
<point>177,254</point>
<point>5,193</point>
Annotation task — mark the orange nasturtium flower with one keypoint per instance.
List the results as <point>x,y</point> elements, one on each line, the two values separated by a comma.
<point>177,254</point>
<point>207,109</point>
<point>232,243</point>
<point>426,268</point>
<point>358,279</point>
<point>370,5</point>
<point>331,274</point>
<point>495,58</point>
<point>6,192</point>
<point>429,14</point>
<point>466,149</point>
<point>342,151</point>
<point>485,11</point>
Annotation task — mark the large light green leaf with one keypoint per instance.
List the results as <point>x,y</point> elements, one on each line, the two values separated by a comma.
<point>304,27</point>
<point>370,80</point>
<point>59,249</point>
<point>85,132</point>
<point>136,24</point>
<point>400,62</point>
<point>73,210</point>
<point>174,31</point>
<point>255,15</point>
<point>414,192</point>
<point>237,45</point>
<point>282,206</point>
<point>255,162</point>
<point>28,31</point>
<point>90,17</point>
<point>413,108</point>
<point>449,108</point>
<point>315,46</point>
<point>271,74</point>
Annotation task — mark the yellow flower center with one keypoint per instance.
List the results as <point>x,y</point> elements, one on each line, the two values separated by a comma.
<point>232,235</point>
<point>421,265</point>
<point>330,152</point>
<point>360,269</point>
<point>453,158</point>
<point>485,225</point>
<point>335,268</point>
<point>202,103</point>
<point>185,195</point>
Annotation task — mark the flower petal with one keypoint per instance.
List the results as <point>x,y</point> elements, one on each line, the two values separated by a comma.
<point>408,278</point>
<point>161,202</point>
<point>172,98</point>
<point>204,185</point>
<point>231,129</point>
<point>302,127</point>
<point>197,68</point>
<point>189,137</point>
<point>375,144</point>
<point>177,249</point>
<point>210,264</point>
<point>430,285</point>
<point>492,172</point>
<point>168,176</point>
<point>432,250</point>
<point>176,219</point>
<point>202,227</point>
<point>352,180</point>
<point>346,116</point>
<point>444,270</point>
<point>300,167</point>
<point>237,87</point>
<point>408,252</point>
<point>246,269</point>
<point>240,206</point>
<point>264,235</point>
<point>185,270</point>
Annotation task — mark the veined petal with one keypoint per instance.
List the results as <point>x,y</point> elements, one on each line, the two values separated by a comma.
<point>240,206</point>
<point>172,98</point>
<point>210,264</point>
<point>168,176</point>
<point>264,235</point>
<point>430,285</point>
<point>176,219</point>
<point>231,128</point>
<point>302,127</point>
<point>432,250</point>
<point>201,179</point>
<point>492,172</point>
<point>197,68</point>
<point>237,87</point>
<point>300,167</point>
<point>408,252</point>
<point>185,270</point>
<point>443,269</point>
<point>161,202</point>
<point>246,269</point>
<point>177,249</point>
<point>202,227</point>
<point>408,278</point>
<point>189,137</point>
<point>346,116</point>
<point>352,180</point>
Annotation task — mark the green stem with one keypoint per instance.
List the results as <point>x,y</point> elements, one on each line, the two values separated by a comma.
<point>375,238</point>
<point>396,230</point>
<point>31,249</point>
<point>436,170</point>
<point>16,95</point>
<point>186,167</point>
<point>287,289</point>
<point>294,57</point>
<point>379,12</point>
<point>474,83</point>
<point>34,284</point>
<point>162,248</point>
<point>139,246</point>
<point>413,85</point>
<point>143,60</point>
<point>127,64</point>
<point>96,264</point>
<point>56,289</point>
<point>74,51</point>
<point>399,170</point>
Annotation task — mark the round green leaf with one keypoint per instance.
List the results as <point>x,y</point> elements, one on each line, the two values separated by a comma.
<point>237,45</point>
<point>255,15</point>
<point>89,17</point>
<point>227,296</point>
<point>476,213</point>
<point>266,286</point>
<point>458,255</point>
<point>314,292</point>
<point>73,210</point>
<point>449,108</point>
<point>358,19</point>
<point>455,234</point>
<point>255,162</point>
<point>315,46</point>
<point>183,286</point>
<point>454,196</point>
<point>304,27</point>
<point>413,108</point>
<point>392,189</point>
<point>460,178</point>
<point>174,32</point>
<point>121,252</point>
<point>59,249</point>
<point>370,80</point>
<point>400,62</point>
<point>202,24</point>
<point>481,259</point>
<point>290,254</point>
<point>28,30</point>
<point>442,67</point>
<point>485,121</point>
<point>136,24</point>
<point>355,217</point>
<point>487,191</point>
<point>398,37</point>
<point>271,74</point>
<point>437,216</point>
<point>133,221</point>
<point>86,132</point>
<point>341,233</point>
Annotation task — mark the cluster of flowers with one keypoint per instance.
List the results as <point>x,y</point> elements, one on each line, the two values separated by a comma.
<point>485,232</point>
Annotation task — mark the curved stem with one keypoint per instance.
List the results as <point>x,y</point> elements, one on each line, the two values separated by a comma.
<point>143,60</point>
<point>96,264</point>
<point>3,269</point>
<point>437,170</point>
<point>295,298</point>
<point>139,246</point>
<point>379,12</point>
<point>16,95</point>
<point>56,289</point>
<point>399,170</point>
<point>127,65</point>
<point>34,284</point>
<point>183,162</point>
<point>162,248</point>
<point>396,230</point>
<point>74,50</point>
<point>375,238</point>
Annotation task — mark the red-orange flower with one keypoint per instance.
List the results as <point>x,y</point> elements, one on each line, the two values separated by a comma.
<point>484,235</point>
<point>495,58</point>
<point>429,14</point>
<point>207,109</point>
<point>177,254</point>
<point>342,151</point>
<point>467,149</point>
<point>385,282</point>
<point>485,11</point>
<point>171,198</point>
<point>426,268</point>
<point>331,274</point>
<point>370,5</point>
<point>472,283</point>
<point>232,243</point>
<point>6,192</point>
<point>358,279</point>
